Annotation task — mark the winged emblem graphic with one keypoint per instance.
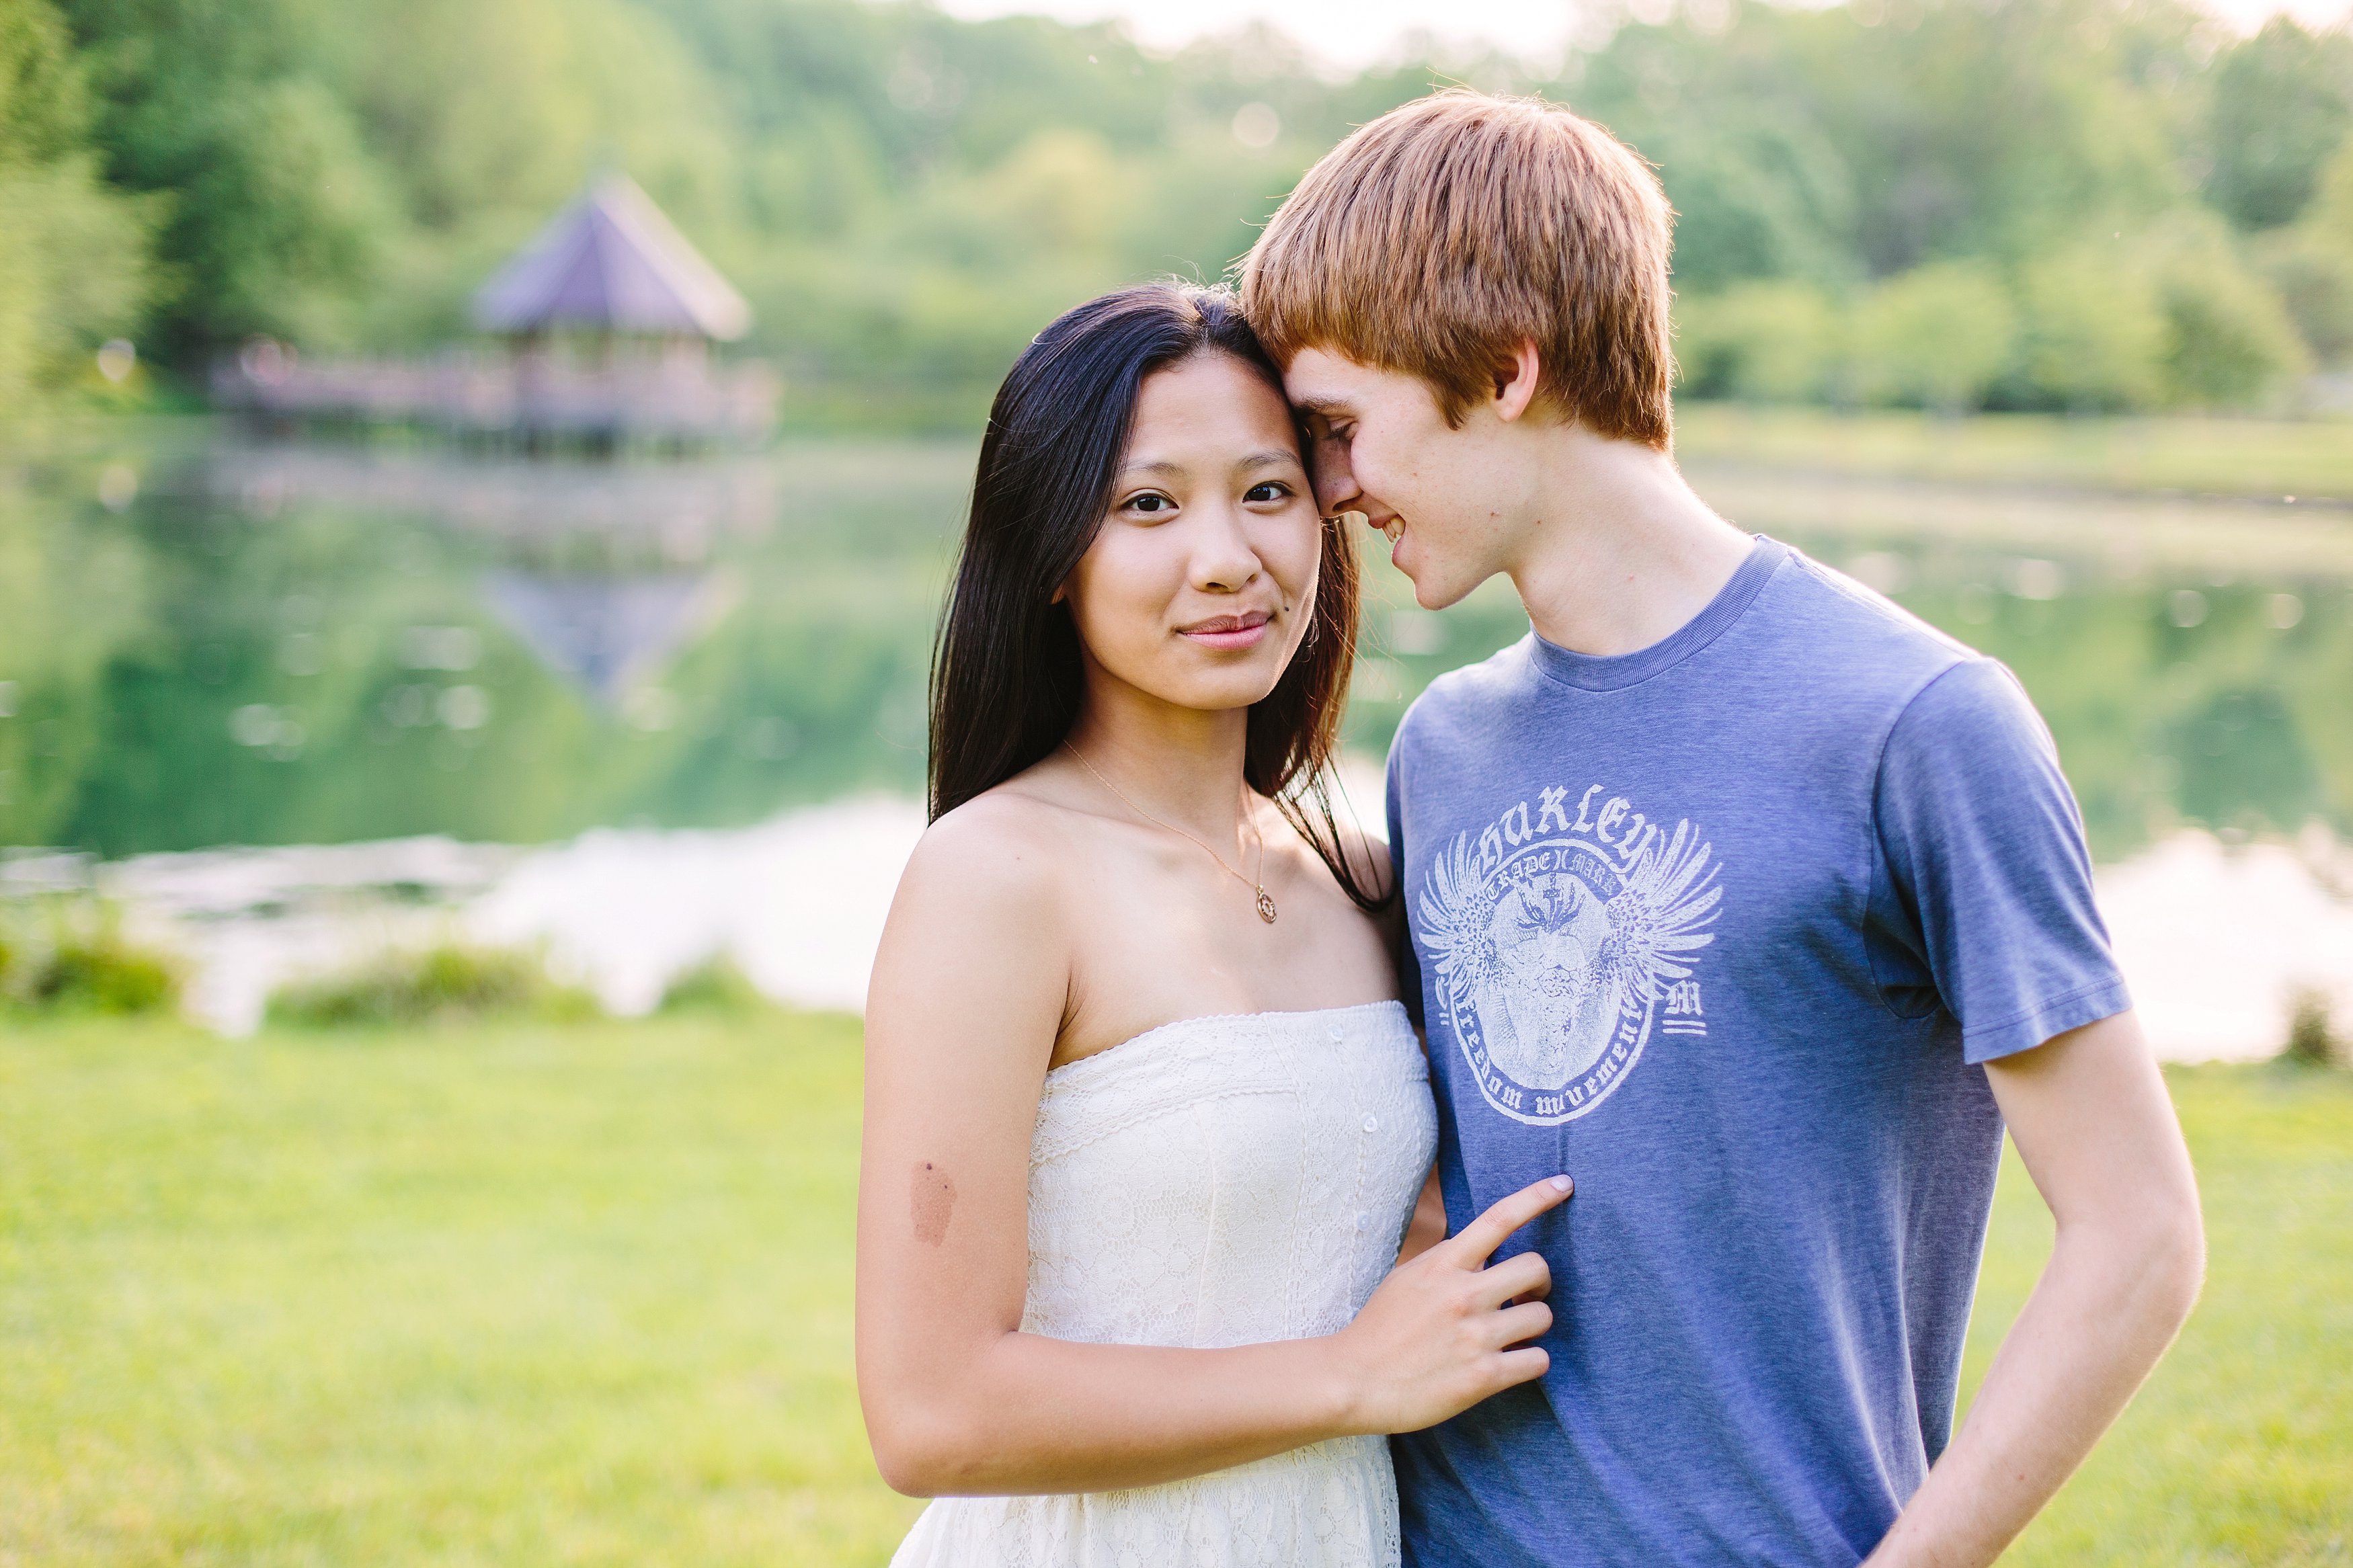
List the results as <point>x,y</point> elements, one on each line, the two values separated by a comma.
<point>1546,961</point>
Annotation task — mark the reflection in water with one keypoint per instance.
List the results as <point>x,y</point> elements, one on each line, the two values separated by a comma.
<point>2184,683</point>
<point>671,509</point>
<point>291,644</point>
<point>302,645</point>
<point>608,634</point>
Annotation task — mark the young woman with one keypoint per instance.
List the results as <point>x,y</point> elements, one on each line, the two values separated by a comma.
<point>1144,1123</point>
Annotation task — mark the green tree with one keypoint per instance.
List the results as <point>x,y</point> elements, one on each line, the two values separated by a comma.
<point>73,254</point>
<point>2094,329</point>
<point>2229,339</point>
<point>486,115</point>
<point>1767,340</point>
<point>1760,186</point>
<point>2332,209</point>
<point>1936,337</point>
<point>2283,101</point>
<point>2312,271</point>
<point>274,209</point>
<point>905,197</point>
<point>1915,129</point>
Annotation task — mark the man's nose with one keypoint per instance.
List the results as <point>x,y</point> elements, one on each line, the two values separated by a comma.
<point>1336,481</point>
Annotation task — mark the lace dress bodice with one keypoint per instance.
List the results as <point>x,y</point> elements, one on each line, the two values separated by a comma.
<point>1215,1181</point>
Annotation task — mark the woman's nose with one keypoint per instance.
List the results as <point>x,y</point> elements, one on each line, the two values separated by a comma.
<point>1223,557</point>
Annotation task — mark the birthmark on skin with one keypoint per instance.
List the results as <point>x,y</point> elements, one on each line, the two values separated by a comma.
<point>931,1199</point>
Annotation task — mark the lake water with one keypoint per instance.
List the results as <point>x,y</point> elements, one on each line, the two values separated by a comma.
<point>645,710</point>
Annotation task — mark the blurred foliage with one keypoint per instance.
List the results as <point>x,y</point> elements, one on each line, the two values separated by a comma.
<point>2310,1040</point>
<point>448,983</point>
<point>1936,335</point>
<point>905,197</point>
<point>2281,103</point>
<point>2170,454</point>
<point>74,266</point>
<point>2228,337</point>
<point>70,955</point>
<point>105,975</point>
<point>2179,318</point>
<point>715,987</point>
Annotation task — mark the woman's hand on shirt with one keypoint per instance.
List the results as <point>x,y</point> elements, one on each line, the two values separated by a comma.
<point>1447,1328</point>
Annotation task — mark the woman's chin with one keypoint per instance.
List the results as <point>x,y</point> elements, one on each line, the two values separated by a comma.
<point>1215,691</point>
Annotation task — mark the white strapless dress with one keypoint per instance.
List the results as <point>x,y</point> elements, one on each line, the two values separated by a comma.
<point>1214,1182</point>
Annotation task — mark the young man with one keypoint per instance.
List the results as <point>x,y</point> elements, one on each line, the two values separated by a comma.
<point>1735,892</point>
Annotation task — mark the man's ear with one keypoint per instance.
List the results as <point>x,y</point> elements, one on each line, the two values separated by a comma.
<point>1515,381</point>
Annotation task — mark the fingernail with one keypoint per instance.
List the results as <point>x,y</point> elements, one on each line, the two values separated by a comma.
<point>1562,1184</point>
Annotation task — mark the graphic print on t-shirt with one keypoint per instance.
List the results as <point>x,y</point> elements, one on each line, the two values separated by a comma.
<point>1555,942</point>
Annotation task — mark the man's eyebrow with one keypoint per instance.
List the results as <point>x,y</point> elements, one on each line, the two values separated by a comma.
<point>1328,407</point>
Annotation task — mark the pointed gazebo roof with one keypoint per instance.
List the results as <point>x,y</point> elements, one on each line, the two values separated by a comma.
<point>611,262</point>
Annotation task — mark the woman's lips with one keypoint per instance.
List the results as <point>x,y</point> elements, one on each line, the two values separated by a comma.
<point>1227,631</point>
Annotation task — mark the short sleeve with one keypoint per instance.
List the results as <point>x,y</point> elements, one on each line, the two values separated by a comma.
<point>1985,884</point>
<point>1408,959</point>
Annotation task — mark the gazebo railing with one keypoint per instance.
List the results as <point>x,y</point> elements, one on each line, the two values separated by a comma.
<point>623,392</point>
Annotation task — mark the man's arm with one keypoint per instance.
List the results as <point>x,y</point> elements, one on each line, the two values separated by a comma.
<point>2090,1115</point>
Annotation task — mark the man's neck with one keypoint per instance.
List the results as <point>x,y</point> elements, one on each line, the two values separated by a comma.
<point>1622,553</point>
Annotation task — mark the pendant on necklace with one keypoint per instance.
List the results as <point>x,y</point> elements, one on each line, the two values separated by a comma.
<point>1265,907</point>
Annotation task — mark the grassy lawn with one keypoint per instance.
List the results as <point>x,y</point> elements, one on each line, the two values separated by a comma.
<point>533,1295</point>
<point>516,1297</point>
<point>2261,458</point>
<point>2240,1450</point>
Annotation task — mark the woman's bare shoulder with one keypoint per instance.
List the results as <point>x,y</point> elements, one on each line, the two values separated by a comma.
<point>1004,849</point>
<point>978,941</point>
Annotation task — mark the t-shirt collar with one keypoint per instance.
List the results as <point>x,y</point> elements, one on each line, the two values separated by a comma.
<point>1611,672</point>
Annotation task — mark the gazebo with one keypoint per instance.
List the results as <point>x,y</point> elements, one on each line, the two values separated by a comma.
<point>610,263</point>
<point>611,314</point>
<point>608,317</point>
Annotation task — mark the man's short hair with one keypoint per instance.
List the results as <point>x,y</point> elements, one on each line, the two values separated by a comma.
<point>1437,238</point>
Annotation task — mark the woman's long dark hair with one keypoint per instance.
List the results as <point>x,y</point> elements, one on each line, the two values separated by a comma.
<point>1006,675</point>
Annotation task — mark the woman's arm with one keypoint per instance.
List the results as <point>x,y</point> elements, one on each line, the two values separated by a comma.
<point>968,995</point>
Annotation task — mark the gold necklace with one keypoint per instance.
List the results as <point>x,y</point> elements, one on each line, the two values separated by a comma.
<point>1265,901</point>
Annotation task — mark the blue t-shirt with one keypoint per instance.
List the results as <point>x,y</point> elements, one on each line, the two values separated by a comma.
<point>1723,929</point>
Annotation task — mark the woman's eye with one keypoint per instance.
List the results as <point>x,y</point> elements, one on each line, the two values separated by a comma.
<point>1151,505</point>
<point>1271,490</point>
